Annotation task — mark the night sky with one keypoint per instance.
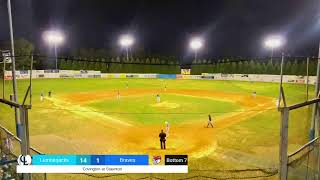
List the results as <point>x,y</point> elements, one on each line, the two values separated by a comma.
<point>230,27</point>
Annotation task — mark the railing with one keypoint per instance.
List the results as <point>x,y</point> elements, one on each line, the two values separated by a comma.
<point>304,163</point>
<point>10,150</point>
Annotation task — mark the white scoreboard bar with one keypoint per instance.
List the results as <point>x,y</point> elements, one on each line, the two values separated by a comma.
<point>102,169</point>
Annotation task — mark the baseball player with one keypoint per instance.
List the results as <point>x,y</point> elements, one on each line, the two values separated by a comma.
<point>158,98</point>
<point>162,137</point>
<point>41,96</point>
<point>167,128</point>
<point>254,94</point>
<point>118,94</point>
<point>209,121</point>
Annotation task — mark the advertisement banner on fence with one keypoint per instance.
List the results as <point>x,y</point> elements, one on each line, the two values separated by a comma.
<point>39,71</point>
<point>179,76</point>
<point>52,71</point>
<point>8,77</point>
<point>122,76</point>
<point>184,76</point>
<point>78,76</point>
<point>148,75</point>
<point>300,81</point>
<point>94,76</point>
<point>23,76</point>
<point>108,75</point>
<point>24,72</point>
<point>65,76</point>
<point>132,76</point>
<point>167,76</point>
<point>207,77</point>
<point>75,72</point>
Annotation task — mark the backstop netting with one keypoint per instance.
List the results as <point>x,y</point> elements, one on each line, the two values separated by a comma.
<point>304,163</point>
<point>10,149</point>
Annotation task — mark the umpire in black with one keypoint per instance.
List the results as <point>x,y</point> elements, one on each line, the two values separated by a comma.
<point>162,137</point>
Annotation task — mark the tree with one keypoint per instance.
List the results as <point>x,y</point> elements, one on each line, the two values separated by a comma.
<point>287,68</point>
<point>294,68</point>
<point>239,67</point>
<point>23,50</point>
<point>270,68</point>
<point>252,66</point>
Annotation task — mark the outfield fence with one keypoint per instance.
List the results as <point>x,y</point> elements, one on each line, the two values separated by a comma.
<point>49,74</point>
<point>10,149</point>
<point>304,163</point>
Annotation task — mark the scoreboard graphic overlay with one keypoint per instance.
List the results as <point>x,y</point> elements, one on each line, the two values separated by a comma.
<point>102,164</point>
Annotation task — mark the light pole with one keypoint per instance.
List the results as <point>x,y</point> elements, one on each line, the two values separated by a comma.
<point>195,45</point>
<point>126,41</point>
<point>14,81</point>
<point>273,42</point>
<point>55,38</point>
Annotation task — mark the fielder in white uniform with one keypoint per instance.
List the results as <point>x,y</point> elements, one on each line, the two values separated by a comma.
<point>41,96</point>
<point>158,98</point>
<point>118,94</point>
<point>167,128</point>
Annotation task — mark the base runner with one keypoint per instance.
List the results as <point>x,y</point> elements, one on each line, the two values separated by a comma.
<point>209,121</point>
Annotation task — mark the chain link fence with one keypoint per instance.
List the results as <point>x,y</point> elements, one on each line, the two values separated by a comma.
<point>304,163</point>
<point>10,151</point>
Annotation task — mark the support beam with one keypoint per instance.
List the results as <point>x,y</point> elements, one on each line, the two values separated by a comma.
<point>281,80</point>
<point>299,105</point>
<point>25,143</point>
<point>307,84</point>
<point>312,132</point>
<point>283,155</point>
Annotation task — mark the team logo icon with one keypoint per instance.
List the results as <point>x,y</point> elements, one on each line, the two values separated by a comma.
<point>156,160</point>
<point>24,160</point>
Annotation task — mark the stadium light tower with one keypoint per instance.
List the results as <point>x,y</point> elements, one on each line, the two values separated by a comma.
<point>195,45</point>
<point>272,43</point>
<point>55,38</point>
<point>126,41</point>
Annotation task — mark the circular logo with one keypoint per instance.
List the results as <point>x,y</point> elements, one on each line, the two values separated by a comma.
<point>156,160</point>
<point>24,160</point>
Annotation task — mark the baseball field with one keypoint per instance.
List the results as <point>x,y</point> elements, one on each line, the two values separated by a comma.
<point>122,116</point>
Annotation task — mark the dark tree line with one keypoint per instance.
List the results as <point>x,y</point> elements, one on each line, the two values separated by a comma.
<point>291,67</point>
<point>107,62</point>
<point>22,48</point>
<point>122,65</point>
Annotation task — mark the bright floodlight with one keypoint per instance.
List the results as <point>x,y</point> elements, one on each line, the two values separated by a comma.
<point>53,37</point>
<point>126,40</point>
<point>196,43</point>
<point>273,42</point>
